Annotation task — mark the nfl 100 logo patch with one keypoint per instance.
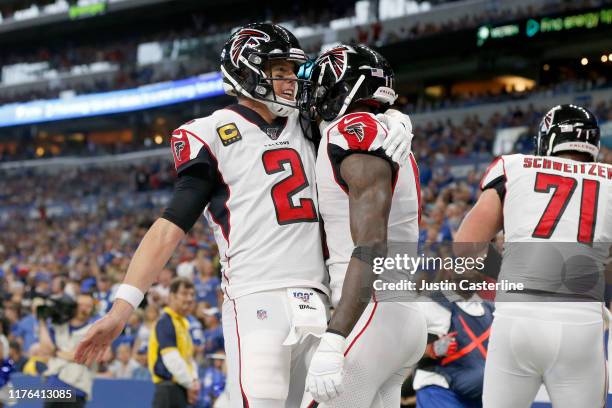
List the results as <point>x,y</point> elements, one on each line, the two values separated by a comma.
<point>303,296</point>
<point>262,314</point>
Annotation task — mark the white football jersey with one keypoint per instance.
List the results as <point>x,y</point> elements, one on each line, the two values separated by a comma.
<point>360,133</point>
<point>557,217</point>
<point>553,199</point>
<point>264,207</point>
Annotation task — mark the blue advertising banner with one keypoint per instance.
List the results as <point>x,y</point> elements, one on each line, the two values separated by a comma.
<point>150,96</point>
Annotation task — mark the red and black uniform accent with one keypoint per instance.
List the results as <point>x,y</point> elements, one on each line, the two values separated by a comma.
<point>360,130</point>
<point>199,183</point>
<point>498,184</point>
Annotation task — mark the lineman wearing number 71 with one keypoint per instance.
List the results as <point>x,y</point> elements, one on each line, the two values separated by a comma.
<point>554,208</point>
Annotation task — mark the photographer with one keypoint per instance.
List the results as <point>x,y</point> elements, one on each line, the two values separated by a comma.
<point>69,323</point>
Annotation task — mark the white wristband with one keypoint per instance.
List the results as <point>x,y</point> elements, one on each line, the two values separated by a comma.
<point>130,294</point>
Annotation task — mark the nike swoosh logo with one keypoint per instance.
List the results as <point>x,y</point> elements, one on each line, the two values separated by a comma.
<point>349,120</point>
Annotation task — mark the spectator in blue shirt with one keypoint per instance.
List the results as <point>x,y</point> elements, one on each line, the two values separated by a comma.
<point>142,372</point>
<point>213,335</point>
<point>104,295</point>
<point>212,380</point>
<point>196,329</point>
<point>27,327</point>
<point>206,283</point>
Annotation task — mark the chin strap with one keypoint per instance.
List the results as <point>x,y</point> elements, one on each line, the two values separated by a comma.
<point>277,109</point>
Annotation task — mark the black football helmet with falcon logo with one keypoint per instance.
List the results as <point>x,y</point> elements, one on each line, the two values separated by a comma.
<point>244,58</point>
<point>568,128</point>
<point>346,75</point>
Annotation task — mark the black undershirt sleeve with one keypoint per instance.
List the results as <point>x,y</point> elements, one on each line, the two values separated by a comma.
<point>192,192</point>
<point>499,185</point>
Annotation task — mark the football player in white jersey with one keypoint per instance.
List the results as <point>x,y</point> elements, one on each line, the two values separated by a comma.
<point>552,206</point>
<point>251,169</point>
<point>365,201</point>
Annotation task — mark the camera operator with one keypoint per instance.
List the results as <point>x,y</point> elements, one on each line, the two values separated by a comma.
<point>69,324</point>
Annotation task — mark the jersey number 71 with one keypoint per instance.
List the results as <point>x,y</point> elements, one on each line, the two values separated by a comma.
<point>564,189</point>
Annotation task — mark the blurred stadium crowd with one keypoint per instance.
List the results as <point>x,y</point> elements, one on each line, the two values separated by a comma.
<point>121,54</point>
<point>84,245</point>
<point>74,231</point>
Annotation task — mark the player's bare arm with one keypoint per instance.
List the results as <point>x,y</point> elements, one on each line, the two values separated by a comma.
<point>157,246</point>
<point>369,180</point>
<point>152,254</point>
<point>480,225</point>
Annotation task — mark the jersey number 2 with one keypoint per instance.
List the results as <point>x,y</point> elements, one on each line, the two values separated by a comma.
<point>284,190</point>
<point>564,188</point>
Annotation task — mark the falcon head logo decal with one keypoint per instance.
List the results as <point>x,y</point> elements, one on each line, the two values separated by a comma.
<point>178,147</point>
<point>336,60</point>
<point>246,38</point>
<point>356,129</point>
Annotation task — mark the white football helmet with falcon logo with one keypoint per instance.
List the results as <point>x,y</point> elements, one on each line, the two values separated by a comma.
<point>244,58</point>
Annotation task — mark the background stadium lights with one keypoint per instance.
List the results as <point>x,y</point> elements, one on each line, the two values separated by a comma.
<point>158,139</point>
<point>604,58</point>
<point>546,67</point>
<point>584,61</point>
<point>40,151</point>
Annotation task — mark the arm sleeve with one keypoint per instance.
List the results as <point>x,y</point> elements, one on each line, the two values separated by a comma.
<point>495,178</point>
<point>166,335</point>
<point>178,368</point>
<point>356,133</point>
<point>192,192</point>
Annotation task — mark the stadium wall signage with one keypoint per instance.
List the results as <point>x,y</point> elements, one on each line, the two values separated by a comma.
<point>88,10</point>
<point>532,27</point>
<point>150,96</point>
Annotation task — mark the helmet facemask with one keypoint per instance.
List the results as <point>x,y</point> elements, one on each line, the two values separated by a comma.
<point>246,61</point>
<point>343,77</point>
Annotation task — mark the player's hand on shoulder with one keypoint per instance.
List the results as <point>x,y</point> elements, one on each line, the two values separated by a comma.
<point>398,143</point>
<point>324,380</point>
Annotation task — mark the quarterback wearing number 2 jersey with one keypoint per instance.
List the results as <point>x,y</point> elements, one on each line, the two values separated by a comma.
<point>250,169</point>
<point>265,204</point>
